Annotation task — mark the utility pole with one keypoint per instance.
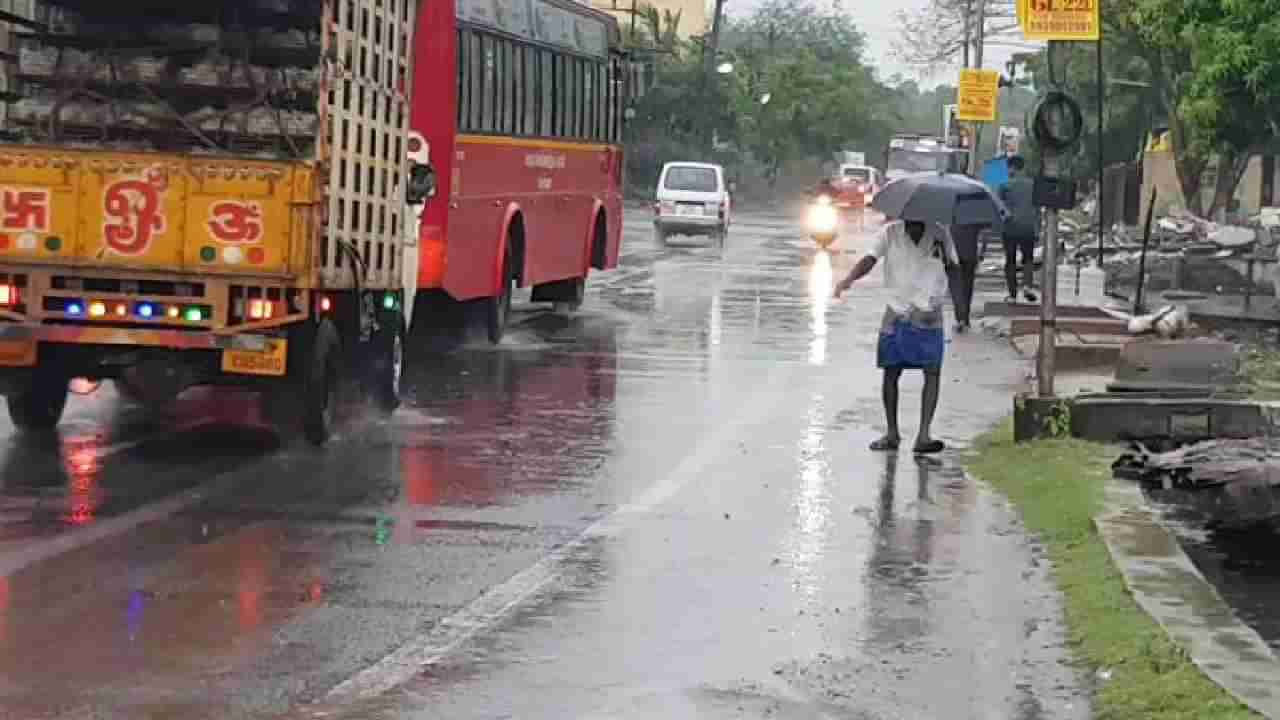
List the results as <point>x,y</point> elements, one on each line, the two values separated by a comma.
<point>977,55</point>
<point>710,56</point>
<point>968,31</point>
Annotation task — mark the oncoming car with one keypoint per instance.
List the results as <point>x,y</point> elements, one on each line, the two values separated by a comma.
<point>692,199</point>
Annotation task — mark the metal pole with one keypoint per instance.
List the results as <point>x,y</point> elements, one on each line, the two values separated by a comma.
<point>1046,358</point>
<point>1102,195</point>
<point>1142,259</point>
<point>977,62</point>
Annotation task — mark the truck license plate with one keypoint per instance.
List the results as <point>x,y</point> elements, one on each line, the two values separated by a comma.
<point>688,209</point>
<point>245,362</point>
<point>17,353</point>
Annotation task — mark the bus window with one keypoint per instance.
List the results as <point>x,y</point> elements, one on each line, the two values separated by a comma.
<point>602,100</point>
<point>589,95</point>
<point>490,91</point>
<point>530,91</point>
<point>573,97</point>
<point>562,107</point>
<point>508,88</point>
<point>546,93</point>
<point>475,66</point>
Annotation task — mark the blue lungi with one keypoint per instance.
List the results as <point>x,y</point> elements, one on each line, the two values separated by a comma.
<point>911,341</point>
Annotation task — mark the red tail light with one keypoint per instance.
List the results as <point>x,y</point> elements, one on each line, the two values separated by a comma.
<point>8,295</point>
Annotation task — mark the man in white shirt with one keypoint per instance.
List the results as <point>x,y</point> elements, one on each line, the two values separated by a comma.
<point>911,336</point>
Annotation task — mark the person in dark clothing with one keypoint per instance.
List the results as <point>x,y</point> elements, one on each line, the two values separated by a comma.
<point>961,275</point>
<point>1021,229</point>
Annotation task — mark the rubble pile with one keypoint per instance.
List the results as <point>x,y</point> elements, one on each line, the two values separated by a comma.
<point>248,83</point>
<point>1210,464</point>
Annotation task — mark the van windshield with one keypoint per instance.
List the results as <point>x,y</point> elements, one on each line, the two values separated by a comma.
<point>691,179</point>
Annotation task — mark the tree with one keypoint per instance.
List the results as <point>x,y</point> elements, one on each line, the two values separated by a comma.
<point>1231,91</point>
<point>943,32</point>
<point>821,94</point>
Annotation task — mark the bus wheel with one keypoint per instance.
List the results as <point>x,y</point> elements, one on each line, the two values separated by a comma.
<point>320,385</point>
<point>497,310</point>
<point>387,346</point>
<point>578,294</point>
<point>39,406</point>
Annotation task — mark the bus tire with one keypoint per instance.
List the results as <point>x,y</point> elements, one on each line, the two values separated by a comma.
<point>578,294</point>
<point>497,310</point>
<point>40,405</point>
<point>387,366</point>
<point>320,384</point>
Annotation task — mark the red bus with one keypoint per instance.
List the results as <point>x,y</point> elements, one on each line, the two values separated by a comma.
<point>518,104</point>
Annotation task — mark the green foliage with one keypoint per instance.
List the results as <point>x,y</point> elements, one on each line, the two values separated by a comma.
<point>822,96</point>
<point>1057,486</point>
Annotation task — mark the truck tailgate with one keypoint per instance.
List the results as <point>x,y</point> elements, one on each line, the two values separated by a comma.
<point>152,211</point>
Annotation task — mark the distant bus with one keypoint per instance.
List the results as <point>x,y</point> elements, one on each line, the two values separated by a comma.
<point>911,154</point>
<point>520,111</point>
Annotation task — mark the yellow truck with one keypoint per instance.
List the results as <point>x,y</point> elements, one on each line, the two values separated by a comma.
<point>207,193</point>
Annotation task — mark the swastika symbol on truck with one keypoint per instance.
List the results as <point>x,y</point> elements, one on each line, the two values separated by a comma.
<point>134,211</point>
<point>25,210</point>
<point>236,222</point>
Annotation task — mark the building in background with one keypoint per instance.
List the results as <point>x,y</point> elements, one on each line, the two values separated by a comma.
<point>695,15</point>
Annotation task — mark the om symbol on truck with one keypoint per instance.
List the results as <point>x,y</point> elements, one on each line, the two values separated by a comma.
<point>134,212</point>
<point>236,223</point>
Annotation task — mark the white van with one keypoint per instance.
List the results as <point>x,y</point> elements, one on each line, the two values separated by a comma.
<point>693,199</point>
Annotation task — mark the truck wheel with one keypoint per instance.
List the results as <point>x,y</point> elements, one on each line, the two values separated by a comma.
<point>320,386</point>
<point>387,346</point>
<point>40,406</point>
<point>497,310</point>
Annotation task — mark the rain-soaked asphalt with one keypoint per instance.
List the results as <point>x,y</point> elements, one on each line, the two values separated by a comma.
<point>662,507</point>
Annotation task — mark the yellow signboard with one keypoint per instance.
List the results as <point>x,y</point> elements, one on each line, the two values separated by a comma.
<point>1059,19</point>
<point>979,91</point>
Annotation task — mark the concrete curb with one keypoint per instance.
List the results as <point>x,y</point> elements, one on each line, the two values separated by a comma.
<point>1169,588</point>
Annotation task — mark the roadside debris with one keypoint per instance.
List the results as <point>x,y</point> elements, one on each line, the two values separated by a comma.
<point>1210,464</point>
<point>1168,322</point>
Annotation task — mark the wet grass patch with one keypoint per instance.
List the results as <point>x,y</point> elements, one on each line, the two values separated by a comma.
<point>1261,370</point>
<point>1138,671</point>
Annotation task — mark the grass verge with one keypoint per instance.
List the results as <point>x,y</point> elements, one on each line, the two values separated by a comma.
<point>1058,487</point>
<point>1261,370</point>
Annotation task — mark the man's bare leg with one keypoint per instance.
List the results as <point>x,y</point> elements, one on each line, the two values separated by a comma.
<point>925,444</point>
<point>889,393</point>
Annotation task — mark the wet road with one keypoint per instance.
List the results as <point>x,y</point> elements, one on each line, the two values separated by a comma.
<point>660,507</point>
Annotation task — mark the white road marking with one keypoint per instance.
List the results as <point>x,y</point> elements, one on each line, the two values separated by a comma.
<point>15,560</point>
<point>12,562</point>
<point>499,602</point>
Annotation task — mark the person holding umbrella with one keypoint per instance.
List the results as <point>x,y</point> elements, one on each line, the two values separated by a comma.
<point>916,249</point>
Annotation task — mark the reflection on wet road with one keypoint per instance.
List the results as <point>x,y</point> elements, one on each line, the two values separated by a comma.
<point>659,507</point>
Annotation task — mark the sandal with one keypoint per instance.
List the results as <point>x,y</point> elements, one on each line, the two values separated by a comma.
<point>933,447</point>
<point>885,444</point>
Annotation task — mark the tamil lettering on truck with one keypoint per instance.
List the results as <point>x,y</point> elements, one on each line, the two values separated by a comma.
<point>172,217</point>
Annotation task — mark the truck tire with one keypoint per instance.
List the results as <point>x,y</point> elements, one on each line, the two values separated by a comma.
<point>387,361</point>
<point>320,384</point>
<point>40,405</point>
<point>497,310</point>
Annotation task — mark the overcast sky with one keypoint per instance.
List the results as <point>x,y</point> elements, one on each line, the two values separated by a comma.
<point>877,19</point>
